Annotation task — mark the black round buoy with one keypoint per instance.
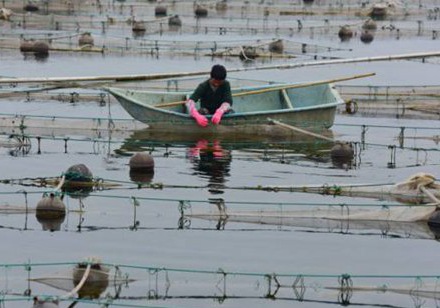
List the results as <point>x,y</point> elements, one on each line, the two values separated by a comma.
<point>86,39</point>
<point>50,212</point>
<point>79,173</point>
<point>342,154</point>
<point>160,10</point>
<point>31,7</point>
<point>221,5</point>
<point>367,37</point>
<point>138,26</point>
<point>141,167</point>
<point>369,24</point>
<point>378,11</point>
<point>79,181</point>
<point>276,46</point>
<point>27,45</point>
<point>345,33</point>
<point>41,48</point>
<point>201,11</point>
<point>175,21</point>
<point>434,220</point>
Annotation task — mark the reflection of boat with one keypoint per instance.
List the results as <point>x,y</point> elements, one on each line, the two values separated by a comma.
<point>211,161</point>
<point>312,107</point>
<point>145,139</point>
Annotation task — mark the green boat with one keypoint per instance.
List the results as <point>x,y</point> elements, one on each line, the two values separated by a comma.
<point>263,110</point>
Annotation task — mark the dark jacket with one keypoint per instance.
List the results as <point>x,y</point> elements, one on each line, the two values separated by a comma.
<point>212,100</point>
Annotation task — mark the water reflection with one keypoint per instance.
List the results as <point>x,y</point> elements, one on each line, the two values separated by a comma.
<point>211,161</point>
<point>319,219</point>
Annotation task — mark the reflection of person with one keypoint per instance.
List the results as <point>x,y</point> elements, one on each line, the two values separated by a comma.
<point>214,95</point>
<point>213,161</point>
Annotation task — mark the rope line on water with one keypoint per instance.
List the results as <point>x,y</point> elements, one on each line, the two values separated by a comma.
<point>212,201</point>
<point>324,189</point>
<point>154,269</point>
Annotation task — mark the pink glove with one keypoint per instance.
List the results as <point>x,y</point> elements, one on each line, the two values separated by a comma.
<point>200,119</point>
<point>216,118</point>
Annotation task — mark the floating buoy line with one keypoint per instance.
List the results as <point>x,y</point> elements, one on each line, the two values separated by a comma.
<point>100,184</point>
<point>78,183</point>
<point>384,218</point>
<point>132,285</point>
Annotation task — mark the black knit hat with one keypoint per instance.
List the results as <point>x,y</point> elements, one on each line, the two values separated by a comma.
<point>218,72</point>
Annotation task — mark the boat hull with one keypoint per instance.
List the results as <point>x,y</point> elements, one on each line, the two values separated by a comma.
<point>252,114</point>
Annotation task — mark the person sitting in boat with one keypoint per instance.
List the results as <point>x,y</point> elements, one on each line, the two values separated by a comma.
<point>214,95</point>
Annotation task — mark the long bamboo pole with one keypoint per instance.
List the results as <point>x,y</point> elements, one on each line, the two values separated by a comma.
<point>287,86</point>
<point>299,130</point>
<point>120,78</point>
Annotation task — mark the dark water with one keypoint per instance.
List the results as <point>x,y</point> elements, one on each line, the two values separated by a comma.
<point>203,175</point>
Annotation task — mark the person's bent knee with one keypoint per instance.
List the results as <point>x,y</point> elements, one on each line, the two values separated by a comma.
<point>204,111</point>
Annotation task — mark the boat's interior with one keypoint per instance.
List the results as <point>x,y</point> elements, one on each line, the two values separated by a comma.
<point>262,99</point>
<point>284,98</point>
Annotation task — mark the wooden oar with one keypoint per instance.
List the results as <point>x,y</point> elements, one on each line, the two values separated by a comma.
<point>284,87</point>
<point>206,72</point>
<point>299,130</point>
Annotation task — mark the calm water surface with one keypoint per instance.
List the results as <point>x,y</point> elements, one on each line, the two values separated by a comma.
<point>112,228</point>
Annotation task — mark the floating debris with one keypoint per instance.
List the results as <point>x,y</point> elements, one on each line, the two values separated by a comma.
<point>367,36</point>
<point>276,46</point>
<point>175,21</point>
<point>138,26</point>
<point>200,11</point>
<point>342,154</point>
<point>37,47</point>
